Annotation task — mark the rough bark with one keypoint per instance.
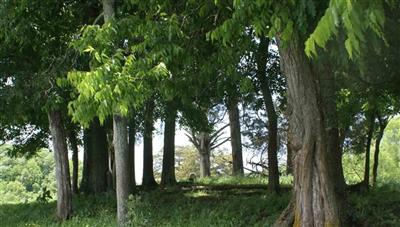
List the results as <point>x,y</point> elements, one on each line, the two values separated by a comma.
<point>168,166</point>
<point>73,140</point>
<point>382,126</point>
<point>64,206</point>
<point>204,150</point>
<point>273,171</point>
<point>286,219</point>
<point>368,151</point>
<point>236,138</point>
<point>148,172</point>
<point>313,136</point>
<point>108,10</point>
<point>96,159</point>
<point>131,145</point>
<point>122,167</point>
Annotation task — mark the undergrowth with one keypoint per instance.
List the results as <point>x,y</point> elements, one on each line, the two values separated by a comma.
<point>206,208</point>
<point>174,207</point>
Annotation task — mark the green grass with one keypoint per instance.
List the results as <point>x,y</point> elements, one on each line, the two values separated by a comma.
<point>206,208</point>
<point>173,207</point>
<point>377,207</point>
<point>88,211</point>
<point>235,180</point>
<point>232,180</point>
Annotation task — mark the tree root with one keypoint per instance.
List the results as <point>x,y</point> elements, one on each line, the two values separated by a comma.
<point>286,219</point>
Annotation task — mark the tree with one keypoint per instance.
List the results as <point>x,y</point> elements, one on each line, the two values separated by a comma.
<point>148,172</point>
<point>319,183</point>
<point>95,166</point>
<point>64,201</point>
<point>168,169</point>
<point>370,131</point>
<point>382,122</point>
<point>205,142</point>
<point>236,137</point>
<point>50,57</point>
<point>273,172</point>
<point>120,139</point>
<point>73,141</point>
<point>131,147</point>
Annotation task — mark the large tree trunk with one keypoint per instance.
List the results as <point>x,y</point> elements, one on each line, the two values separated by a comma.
<point>131,139</point>
<point>382,126</point>
<point>368,151</point>
<point>168,167</point>
<point>64,206</point>
<point>148,172</point>
<point>313,136</point>
<point>73,140</point>
<point>273,171</point>
<point>122,167</point>
<point>204,150</point>
<point>95,159</point>
<point>236,138</point>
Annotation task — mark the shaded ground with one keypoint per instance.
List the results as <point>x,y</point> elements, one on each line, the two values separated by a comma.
<point>240,206</point>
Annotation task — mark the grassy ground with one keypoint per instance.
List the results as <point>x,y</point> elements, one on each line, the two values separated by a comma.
<point>88,211</point>
<point>378,207</point>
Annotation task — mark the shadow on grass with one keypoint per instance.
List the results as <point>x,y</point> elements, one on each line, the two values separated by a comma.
<point>206,208</point>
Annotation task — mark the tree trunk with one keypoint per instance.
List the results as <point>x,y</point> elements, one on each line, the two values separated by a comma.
<point>86,164</point>
<point>131,139</point>
<point>236,138</point>
<point>204,150</point>
<point>368,151</point>
<point>98,158</point>
<point>111,173</point>
<point>382,126</point>
<point>318,188</point>
<point>148,172</point>
<point>75,161</point>
<point>108,10</point>
<point>289,160</point>
<point>122,167</point>
<point>64,206</point>
<point>168,167</point>
<point>273,171</point>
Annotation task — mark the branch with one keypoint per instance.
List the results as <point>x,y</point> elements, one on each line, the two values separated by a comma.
<point>193,140</point>
<point>224,141</point>
<point>98,18</point>
<point>259,164</point>
<point>254,171</point>
<point>216,138</point>
<point>219,131</point>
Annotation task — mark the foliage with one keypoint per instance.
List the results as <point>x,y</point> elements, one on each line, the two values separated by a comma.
<point>187,162</point>
<point>379,207</point>
<point>34,52</point>
<point>389,158</point>
<point>128,57</point>
<point>25,180</point>
<point>356,17</point>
